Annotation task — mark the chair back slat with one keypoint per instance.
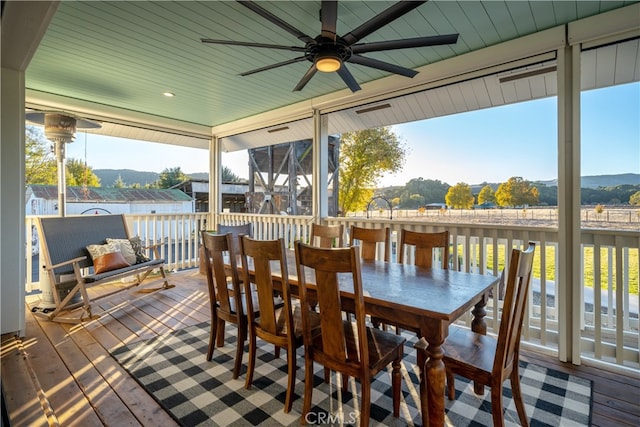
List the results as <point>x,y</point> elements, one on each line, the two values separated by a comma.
<point>237,231</point>
<point>327,236</point>
<point>218,248</point>
<point>261,254</point>
<point>424,244</point>
<point>329,266</point>
<point>518,281</point>
<point>368,239</point>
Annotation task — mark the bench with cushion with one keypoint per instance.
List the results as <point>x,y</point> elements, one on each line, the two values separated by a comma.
<point>82,252</point>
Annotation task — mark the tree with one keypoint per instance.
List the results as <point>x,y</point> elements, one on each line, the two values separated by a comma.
<point>415,201</point>
<point>171,177</point>
<point>486,195</point>
<point>229,176</point>
<point>459,196</point>
<point>516,192</point>
<point>40,162</point>
<point>364,157</point>
<point>119,183</point>
<point>78,173</point>
<point>433,191</point>
<point>635,199</point>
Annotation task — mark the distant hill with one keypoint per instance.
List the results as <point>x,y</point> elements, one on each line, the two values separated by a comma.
<point>200,175</point>
<point>593,181</point>
<point>597,181</point>
<point>109,176</point>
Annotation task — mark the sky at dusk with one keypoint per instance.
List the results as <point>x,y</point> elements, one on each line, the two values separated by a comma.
<point>489,145</point>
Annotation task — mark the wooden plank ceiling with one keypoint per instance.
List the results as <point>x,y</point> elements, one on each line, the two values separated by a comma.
<point>125,54</point>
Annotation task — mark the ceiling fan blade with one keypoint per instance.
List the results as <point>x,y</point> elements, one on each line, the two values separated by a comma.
<point>383,18</point>
<point>381,65</point>
<point>348,79</point>
<point>251,44</point>
<point>328,17</point>
<point>305,79</point>
<point>405,43</point>
<point>269,67</point>
<point>275,20</point>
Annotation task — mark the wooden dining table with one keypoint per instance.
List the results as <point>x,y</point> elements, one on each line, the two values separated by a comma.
<point>424,300</point>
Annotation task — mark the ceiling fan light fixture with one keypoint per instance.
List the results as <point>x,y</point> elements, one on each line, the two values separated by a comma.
<point>328,63</point>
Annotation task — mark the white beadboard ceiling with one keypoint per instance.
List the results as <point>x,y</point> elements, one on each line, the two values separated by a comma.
<point>122,55</point>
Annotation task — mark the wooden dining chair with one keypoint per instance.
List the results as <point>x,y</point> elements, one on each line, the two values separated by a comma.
<point>368,239</point>
<point>225,294</point>
<point>487,360</point>
<point>237,231</point>
<point>424,244</point>
<point>279,322</point>
<point>350,348</point>
<point>327,236</point>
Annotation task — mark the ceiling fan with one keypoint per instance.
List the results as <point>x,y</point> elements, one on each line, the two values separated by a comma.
<point>329,52</point>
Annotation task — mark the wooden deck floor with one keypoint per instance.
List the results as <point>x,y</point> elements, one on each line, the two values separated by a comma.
<point>61,374</point>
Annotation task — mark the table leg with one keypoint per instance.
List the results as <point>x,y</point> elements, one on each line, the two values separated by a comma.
<point>433,376</point>
<point>479,326</point>
<point>435,385</point>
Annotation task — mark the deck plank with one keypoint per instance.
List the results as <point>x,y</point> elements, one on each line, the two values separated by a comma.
<point>21,394</point>
<point>153,325</point>
<point>70,405</point>
<point>105,402</point>
<point>134,398</point>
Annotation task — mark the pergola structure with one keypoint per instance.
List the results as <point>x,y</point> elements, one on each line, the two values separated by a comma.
<point>111,61</point>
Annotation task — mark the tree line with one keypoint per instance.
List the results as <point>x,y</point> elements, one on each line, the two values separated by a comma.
<point>41,168</point>
<point>516,191</point>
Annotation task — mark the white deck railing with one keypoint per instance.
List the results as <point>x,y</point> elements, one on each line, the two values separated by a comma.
<point>609,329</point>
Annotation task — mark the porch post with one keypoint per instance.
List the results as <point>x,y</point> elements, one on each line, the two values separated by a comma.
<point>23,26</point>
<point>569,279</point>
<point>12,198</point>
<point>320,165</point>
<point>215,181</point>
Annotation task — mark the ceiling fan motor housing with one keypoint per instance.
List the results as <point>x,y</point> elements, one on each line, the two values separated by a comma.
<point>322,47</point>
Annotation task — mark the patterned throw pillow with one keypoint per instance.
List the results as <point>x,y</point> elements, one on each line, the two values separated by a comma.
<point>124,246</point>
<point>136,244</point>
<point>97,250</point>
<point>105,258</point>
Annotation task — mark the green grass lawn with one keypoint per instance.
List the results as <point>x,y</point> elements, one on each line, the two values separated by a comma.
<point>588,266</point>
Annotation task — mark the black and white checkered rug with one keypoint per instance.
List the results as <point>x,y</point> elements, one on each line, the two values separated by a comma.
<point>173,369</point>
